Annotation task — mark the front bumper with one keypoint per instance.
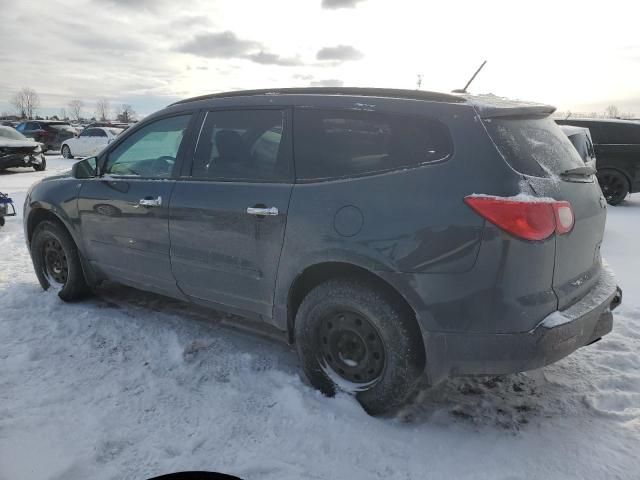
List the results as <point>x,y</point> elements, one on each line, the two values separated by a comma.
<point>555,337</point>
<point>20,160</point>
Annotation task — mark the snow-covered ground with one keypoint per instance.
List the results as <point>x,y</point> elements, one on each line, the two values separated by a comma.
<point>133,388</point>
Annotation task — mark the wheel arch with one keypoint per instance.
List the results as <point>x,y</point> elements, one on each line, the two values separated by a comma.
<point>40,214</point>
<point>317,273</point>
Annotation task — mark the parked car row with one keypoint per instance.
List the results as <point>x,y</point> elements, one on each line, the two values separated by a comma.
<point>395,237</point>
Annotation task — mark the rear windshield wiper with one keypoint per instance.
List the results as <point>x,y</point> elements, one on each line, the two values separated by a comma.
<point>584,171</point>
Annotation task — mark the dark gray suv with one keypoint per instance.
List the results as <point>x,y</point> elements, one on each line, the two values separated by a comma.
<point>395,237</point>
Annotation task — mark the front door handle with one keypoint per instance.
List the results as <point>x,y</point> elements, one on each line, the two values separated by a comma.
<point>263,211</point>
<point>150,202</point>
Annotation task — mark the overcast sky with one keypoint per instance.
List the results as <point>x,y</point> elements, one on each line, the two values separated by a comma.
<point>577,55</point>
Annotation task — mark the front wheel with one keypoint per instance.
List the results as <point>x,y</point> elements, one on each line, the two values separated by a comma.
<point>40,167</point>
<point>57,262</point>
<point>66,152</point>
<point>614,185</point>
<point>353,337</point>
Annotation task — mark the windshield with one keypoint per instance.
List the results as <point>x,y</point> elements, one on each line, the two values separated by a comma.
<point>534,147</point>
<point>11,133</point>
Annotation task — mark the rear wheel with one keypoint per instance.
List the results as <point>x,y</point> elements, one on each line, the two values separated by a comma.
<point>66,151</point>
<point>57,262</point>
<point>614,185</point>
<point>353,337</point>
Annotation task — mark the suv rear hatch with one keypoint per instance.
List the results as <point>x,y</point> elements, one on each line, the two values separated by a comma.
<point>533,145</point>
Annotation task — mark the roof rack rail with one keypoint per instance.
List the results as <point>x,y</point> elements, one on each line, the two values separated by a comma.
<point>352,91</point>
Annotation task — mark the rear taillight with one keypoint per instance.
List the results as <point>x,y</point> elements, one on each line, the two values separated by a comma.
<point>527,219</point>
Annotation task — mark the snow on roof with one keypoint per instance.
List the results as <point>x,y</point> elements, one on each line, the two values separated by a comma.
<point>489,105</point>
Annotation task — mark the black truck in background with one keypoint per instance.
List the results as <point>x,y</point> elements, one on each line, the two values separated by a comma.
<point>617,148</point>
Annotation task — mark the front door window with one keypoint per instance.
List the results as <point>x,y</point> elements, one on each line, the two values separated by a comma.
<point>150,152</point>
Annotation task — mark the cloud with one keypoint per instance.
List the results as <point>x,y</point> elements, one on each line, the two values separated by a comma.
<point>334,4</point>
<point>333,82</point>
<point>218,45</point>
<point>228,45</point>
<point>340,52</point>
<point>151,5</point>
<point>302,76</point>
<point>265,58</point>
<point>191,21</point>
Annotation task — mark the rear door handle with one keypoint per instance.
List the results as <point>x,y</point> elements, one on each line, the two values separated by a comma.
<point>263,211</point>
<point>150,202</point>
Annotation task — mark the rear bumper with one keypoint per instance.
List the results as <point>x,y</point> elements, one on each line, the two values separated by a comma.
<point>555,337</point>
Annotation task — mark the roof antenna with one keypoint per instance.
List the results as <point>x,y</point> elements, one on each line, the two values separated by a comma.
<point>419,82</point>
<point>464,90</point>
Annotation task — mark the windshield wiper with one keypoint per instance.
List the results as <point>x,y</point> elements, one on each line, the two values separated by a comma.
<point>584,171</point>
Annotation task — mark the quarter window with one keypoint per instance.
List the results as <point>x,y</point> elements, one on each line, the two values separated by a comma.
<point>242,145</point>
<point>334,144</point>
<point>151,152</point>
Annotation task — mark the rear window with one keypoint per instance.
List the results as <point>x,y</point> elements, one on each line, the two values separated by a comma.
<point>534,147</point>
<point>335,144</point>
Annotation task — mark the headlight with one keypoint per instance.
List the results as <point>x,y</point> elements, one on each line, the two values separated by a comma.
<point>38,148</point>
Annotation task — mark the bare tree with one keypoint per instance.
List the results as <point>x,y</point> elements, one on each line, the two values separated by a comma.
<point>612,111</point>
<point>103,107</point>
<point>126,113</point>
<point>76,108</point>
<point>26,102</point>
<point>63,114</point>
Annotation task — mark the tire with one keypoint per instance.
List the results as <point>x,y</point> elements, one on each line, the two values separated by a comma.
<point>57,262</point>
<point>614,185</point>
<point>66,152</point>
<point>380,353</point>
<point>40,167</point>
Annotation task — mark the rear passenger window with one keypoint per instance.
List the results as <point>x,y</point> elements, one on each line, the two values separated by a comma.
<point>244,145</point>
<point>335,144</point>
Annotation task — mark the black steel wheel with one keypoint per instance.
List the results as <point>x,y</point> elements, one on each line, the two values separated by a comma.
<point>357,337</point>
<point>351,346</point>
<point>56,261</point>
<point>614,185</point>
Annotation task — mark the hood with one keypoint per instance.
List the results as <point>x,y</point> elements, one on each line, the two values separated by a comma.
<point>59,176</point>
<point>10,143</point>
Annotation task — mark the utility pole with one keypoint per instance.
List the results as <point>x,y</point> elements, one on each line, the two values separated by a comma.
<point>419,82</point>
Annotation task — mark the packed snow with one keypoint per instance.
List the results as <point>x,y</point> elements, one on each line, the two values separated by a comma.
<point>128,385</point>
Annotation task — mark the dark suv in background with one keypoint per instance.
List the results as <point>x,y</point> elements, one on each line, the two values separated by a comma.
<point>617,148</point>
<point>394,236</point>
<point>50,133</point>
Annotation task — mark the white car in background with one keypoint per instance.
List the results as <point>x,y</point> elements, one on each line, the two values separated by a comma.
<point>89,142</point>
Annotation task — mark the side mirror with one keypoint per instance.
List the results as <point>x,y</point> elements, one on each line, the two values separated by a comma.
<point>85,168</point>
